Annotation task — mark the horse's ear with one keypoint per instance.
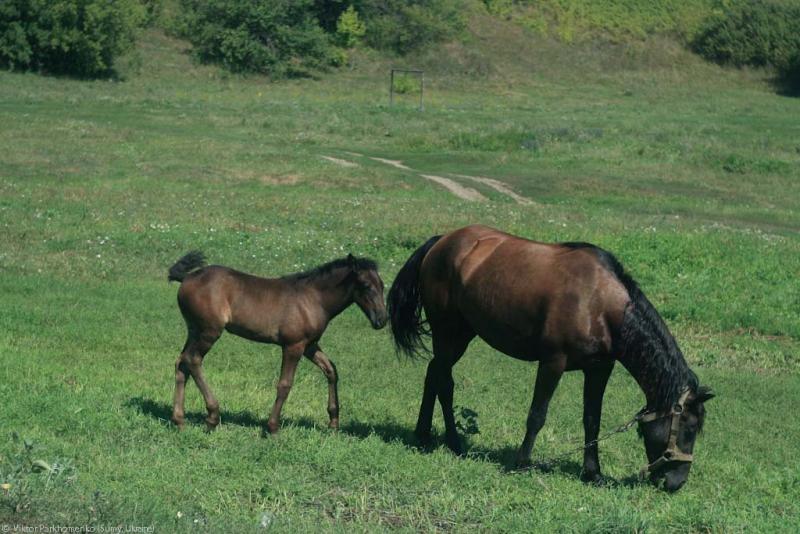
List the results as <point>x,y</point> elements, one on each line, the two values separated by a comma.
<point>351,261</point>
<point>704,394</point>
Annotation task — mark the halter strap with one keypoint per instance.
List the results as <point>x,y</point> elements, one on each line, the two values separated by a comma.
<point>672,453</point>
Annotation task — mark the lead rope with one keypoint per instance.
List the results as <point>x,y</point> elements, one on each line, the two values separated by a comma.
<point>619,430</point>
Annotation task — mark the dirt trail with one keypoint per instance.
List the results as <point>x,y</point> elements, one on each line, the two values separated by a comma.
<point>394,163</point>
<point>467,193</point>
<point>498,186</point>
<point>459,190</point>
<point>342,162</point>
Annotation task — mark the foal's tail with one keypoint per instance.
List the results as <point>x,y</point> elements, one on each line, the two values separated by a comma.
<point>405,304</point>
<point>191,261</point>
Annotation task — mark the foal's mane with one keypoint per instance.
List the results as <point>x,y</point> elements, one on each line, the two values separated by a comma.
<point>361,264</point>
<point>645,342</point>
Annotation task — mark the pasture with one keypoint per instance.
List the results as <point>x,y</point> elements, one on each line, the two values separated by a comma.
<point>690,175</point>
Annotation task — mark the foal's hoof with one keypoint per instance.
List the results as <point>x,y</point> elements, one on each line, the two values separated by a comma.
<point>269,430</point>
<point>334,425</point>
<point>179,424</point>
<point>210,427</point>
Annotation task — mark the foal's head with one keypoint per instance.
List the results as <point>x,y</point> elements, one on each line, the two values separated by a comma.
<point>368,290</point>
<point>671,460</point>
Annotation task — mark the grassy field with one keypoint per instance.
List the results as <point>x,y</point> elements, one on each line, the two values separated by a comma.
<point>689,174</point>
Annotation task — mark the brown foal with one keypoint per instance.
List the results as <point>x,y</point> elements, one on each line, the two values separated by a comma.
<point>569,306</point>
<point>292,311</point>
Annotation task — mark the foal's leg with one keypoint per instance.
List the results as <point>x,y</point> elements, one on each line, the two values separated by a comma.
<point>190,363</point>
<point>594,385</point>
<point>315,354</point>
<point>291,356</point>
<point>547,378</point>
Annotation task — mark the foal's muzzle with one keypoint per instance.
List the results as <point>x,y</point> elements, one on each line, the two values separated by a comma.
<point>378,319</point>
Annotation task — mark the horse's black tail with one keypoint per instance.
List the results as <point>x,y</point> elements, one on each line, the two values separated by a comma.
<point>405,305</point>
<point>191,261</point>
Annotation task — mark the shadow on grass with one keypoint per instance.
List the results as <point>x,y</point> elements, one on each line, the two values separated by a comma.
<point>389,432</point>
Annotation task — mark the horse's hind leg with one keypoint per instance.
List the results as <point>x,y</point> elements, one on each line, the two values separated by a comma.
<point>547,378</point>
<point>448,347</point>
<point>315,354</point>
<point>190,362</point>
<point>594,386</point>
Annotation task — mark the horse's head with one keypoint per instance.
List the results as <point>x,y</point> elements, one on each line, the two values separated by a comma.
<point>669,438</point>
<point>368,291</point>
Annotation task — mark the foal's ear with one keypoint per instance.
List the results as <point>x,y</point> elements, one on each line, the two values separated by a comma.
<point>351,261</point>
<point>704,394</point>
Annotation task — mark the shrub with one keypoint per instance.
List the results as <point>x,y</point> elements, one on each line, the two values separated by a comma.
<point>350,29</point>
<point>280,38</point>
<point>153,9</point>
<point>406,25</point>
<point>75,37</point>
<point>615,20</point>
<point>755,33</point>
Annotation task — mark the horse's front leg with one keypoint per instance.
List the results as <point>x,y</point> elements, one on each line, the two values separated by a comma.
<point>547,378</point>
<point>594,386</point>
<point>315,354</point>
<point>291,356</point>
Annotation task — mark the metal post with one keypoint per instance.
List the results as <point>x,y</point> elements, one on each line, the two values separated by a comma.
<point>407,71</point>
<point>391,88</point>
<point>421,88</point>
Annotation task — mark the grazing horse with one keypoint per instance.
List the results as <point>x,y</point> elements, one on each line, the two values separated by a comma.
<point>292,311</point>
<point>570,306</point>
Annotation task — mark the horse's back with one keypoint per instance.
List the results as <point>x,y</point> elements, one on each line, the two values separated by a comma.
<point>524,297</point>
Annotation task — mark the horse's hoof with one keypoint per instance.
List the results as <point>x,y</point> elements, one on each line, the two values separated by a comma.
<point>523,464</point>
<point>456,447</point>
<point>424,439</point>
<point>179,423</point>
<point>334,425</point>
<point>591,478</point>
<point>211,427</point>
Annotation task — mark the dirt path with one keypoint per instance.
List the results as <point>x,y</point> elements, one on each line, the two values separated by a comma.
<point>394,163</point>
<point>500,187</point>
<point>459,190</point>
<point>467,193</point>
<point>341,162</point>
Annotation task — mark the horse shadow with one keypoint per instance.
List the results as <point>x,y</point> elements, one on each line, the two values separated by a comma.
<point>389,432</point>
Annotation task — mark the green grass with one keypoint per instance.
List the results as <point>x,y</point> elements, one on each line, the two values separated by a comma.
<point>689,175</point>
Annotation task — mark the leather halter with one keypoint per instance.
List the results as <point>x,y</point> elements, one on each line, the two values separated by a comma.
<point>672,453</point>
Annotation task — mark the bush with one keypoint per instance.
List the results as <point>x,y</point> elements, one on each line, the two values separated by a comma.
<point>406,25</point>
<point>74,37</point>
<point>350,29</point>
<point>280,38</point>
<point>615,20</point>
<point>758,33</point>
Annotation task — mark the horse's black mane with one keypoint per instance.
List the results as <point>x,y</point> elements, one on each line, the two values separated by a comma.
<point>645,343</point>
<point>361,264</point>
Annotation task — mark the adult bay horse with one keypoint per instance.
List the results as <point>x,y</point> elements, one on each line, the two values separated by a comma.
<point>570,306</point>
<point>292,311</point>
